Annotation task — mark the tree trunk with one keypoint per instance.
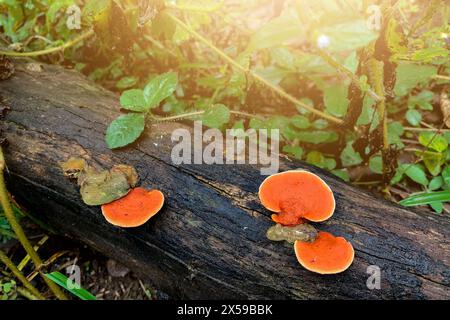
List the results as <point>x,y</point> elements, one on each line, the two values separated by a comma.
<point>209,240</point>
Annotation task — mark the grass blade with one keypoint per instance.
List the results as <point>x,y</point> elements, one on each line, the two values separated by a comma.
<point>426,198</point>
<point>63,281</point>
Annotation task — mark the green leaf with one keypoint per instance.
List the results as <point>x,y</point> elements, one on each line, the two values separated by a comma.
<point>433,161</point>
<point>320,124</point>
<point>413,117</point>
<point>159,88</point>
<point>318,159</point>
<point>446,175</point>
<point>409,75</point>
<point>317,137</point>
<point>436,183</point>
<point>295,151</point>
<point>438,207</point>
<point>134,100</point>
<point>63,281</point>
<point>426,198</point>
<point>276,32</point>
<point>124,130</point>
<point>415,173</point>
<point>350,157</point>
<point>341,173</point>
<point>395,131</point>
<point>348,36</point>
<point>300,122</point>
<point>376,164</point>
<point>433,141</point>
<point>427,55</point>
<point>126,82</point>
<point>422,100</point>
<point>335,100</point>
<point>216,116</point>
<point>368,113</point>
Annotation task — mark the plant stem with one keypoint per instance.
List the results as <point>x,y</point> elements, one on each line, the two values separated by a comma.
<point>27,294</point>
<point>425,129</point>
<point>17,228</point>
<point>66,45</point>
<point>4,258</point>
<point>197,113</point>
<point>376,72</point>
<point>257,77</point>
<point>442,77</point>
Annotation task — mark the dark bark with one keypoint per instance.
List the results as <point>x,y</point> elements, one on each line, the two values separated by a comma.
<point>209,239</point>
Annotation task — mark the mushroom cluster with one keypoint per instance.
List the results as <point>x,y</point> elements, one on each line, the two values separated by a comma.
<point>122,203</point>
<point>298,196</point>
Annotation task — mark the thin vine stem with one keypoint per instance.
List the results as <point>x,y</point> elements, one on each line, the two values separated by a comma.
<point>419,129</point>
<point>198,113</point>
<point>257,77</point>
<point>18,274</point>
<point>64,46</point>
<point>17,228</point>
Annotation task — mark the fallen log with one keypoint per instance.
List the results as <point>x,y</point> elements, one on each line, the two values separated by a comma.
<point>209,239</point>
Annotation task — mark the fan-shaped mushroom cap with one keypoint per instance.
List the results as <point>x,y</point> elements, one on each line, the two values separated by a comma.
<point>326,255</point>
<point>135,209</point>
<point>296,195</point>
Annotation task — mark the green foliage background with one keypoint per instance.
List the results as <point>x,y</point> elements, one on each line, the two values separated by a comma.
<point>360,102</point>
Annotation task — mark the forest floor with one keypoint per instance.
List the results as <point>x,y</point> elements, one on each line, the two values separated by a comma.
<point>103,277</point>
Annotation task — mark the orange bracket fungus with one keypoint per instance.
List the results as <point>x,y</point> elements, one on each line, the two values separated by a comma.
<point>135,209</point>
<point>326,255</point>
<point>296,195</point>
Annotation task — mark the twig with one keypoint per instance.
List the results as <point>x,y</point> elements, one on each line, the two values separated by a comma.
<point>440,76</point>
<point>425,129</point>
<point>27,284</point>
<point>257,77</point>
<point>197,113</point>
<point>17,228</point>
<point>66,45</point>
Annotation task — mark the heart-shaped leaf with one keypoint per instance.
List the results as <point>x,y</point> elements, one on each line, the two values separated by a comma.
<point>124,130</point>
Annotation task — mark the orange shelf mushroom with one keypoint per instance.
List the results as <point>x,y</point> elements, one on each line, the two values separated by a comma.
<point>134,209</point>
<point>296,195</point>
<point>326,255</point>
